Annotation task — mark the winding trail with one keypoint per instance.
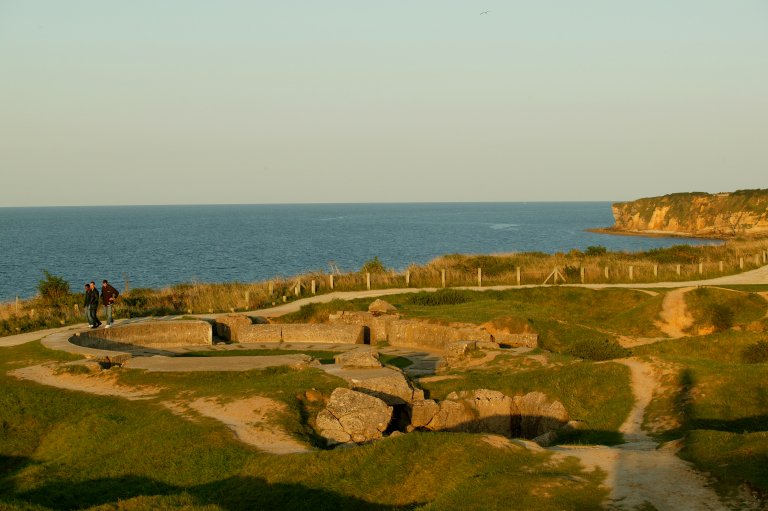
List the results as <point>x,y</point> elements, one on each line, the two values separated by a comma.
<point>642,472</point>
<point>675,319</point>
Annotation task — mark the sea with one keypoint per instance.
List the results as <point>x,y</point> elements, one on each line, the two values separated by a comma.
<point>157,246</point>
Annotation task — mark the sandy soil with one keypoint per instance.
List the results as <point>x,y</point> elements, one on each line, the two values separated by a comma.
<point>251,420</point>
<point>674,315</point>
<point>102,384</point>
<point>640,472</point>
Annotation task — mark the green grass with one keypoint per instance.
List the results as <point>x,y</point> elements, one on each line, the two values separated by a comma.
<point>704,303</point>
<point>394,360</point>
<point>70,450</point>
<point>562,316</point>
<point>733,458</point>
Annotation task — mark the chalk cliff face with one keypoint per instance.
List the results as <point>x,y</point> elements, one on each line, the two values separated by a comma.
<point>741,213</point>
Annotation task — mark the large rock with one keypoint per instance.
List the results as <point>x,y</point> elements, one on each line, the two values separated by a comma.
<point>479,411</point>
<point>451,416</point>
<point>393,389</point>
<point>362,357</point>
<point>459,349</point>
<point>532,416</point>
<point>538,415</point>
<point>353,416</point>
<point>381,307</point>
<point>422,412</point>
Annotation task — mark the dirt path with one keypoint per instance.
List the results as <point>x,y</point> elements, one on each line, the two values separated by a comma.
<point>640,473</point>
<point>674,315</point>
<point>252,420</point>
<point>101,384</point>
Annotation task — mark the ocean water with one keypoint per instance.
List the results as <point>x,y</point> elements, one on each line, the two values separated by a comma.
<point>154,246</point>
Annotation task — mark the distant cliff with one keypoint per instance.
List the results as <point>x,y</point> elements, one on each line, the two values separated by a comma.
<point>740,213</point>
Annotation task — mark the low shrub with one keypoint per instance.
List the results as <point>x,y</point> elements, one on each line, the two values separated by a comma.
<point>442,297</point>
<point>598,349</point>
<point>53,288</point>
<point>597,250</point>
<point>756,353</point>
<point>721,316</point>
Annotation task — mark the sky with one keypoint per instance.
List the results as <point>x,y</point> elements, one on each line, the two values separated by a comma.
<point>246,102</point>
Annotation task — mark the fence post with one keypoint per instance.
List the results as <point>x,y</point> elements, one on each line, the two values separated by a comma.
<point>655,270</point>
<point>330,281</point>
<point>271,287</point>
<point>368,281</point>
<point>701,267</point>
<point>721,266</point>
<point>741,263</point>
<point>247,299</point>
<point>678,269</point>
<point>408,278</point>
<point>285,298</point>
<point>479,277</point>
<point>581,272</point>
<point>298,288</point>
<point>631,273</point>
<point>17,305</point>
<point>314,287</point>
<point>607,273</point>
<point>765,256</point>
<point>442,276</point>
<point>518,275</point>
<point>757,260</point>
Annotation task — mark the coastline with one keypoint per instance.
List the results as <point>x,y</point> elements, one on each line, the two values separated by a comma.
<point>655,234</point>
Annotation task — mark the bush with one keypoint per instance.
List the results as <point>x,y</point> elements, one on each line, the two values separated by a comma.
<point>597,250</point>
<point>756,353</point>
<point>598,349</point>
<point>373,266</point>
<point>53,288</point>
<point>442,297</point>
<point>721,316</point>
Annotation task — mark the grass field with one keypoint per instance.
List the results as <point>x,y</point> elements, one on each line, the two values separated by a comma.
<point>70,450</point>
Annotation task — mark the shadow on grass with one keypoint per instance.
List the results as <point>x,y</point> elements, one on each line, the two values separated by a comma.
<point>233,493</point>
<point>684,401</point>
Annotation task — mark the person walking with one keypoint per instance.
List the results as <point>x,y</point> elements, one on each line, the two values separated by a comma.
<point>87,305</point>
<point>108,296</point>
<point>94,305</point>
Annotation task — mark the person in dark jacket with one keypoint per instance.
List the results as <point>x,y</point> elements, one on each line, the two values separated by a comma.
<point>94,306</point>
<point>108,296</point>
<point>87,305</point>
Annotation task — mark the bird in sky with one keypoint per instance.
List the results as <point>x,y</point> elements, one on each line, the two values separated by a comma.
<point>484,12</point>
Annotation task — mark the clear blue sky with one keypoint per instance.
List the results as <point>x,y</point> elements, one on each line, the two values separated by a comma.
<point>194,102</point>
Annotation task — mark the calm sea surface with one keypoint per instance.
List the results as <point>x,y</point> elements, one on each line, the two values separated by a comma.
<point>159,245</point>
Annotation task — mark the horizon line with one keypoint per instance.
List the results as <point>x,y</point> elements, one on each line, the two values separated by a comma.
<point>302,203</point>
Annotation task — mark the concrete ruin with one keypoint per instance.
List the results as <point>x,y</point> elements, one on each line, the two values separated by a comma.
<point>147,334</point>
<point>415,333</point>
